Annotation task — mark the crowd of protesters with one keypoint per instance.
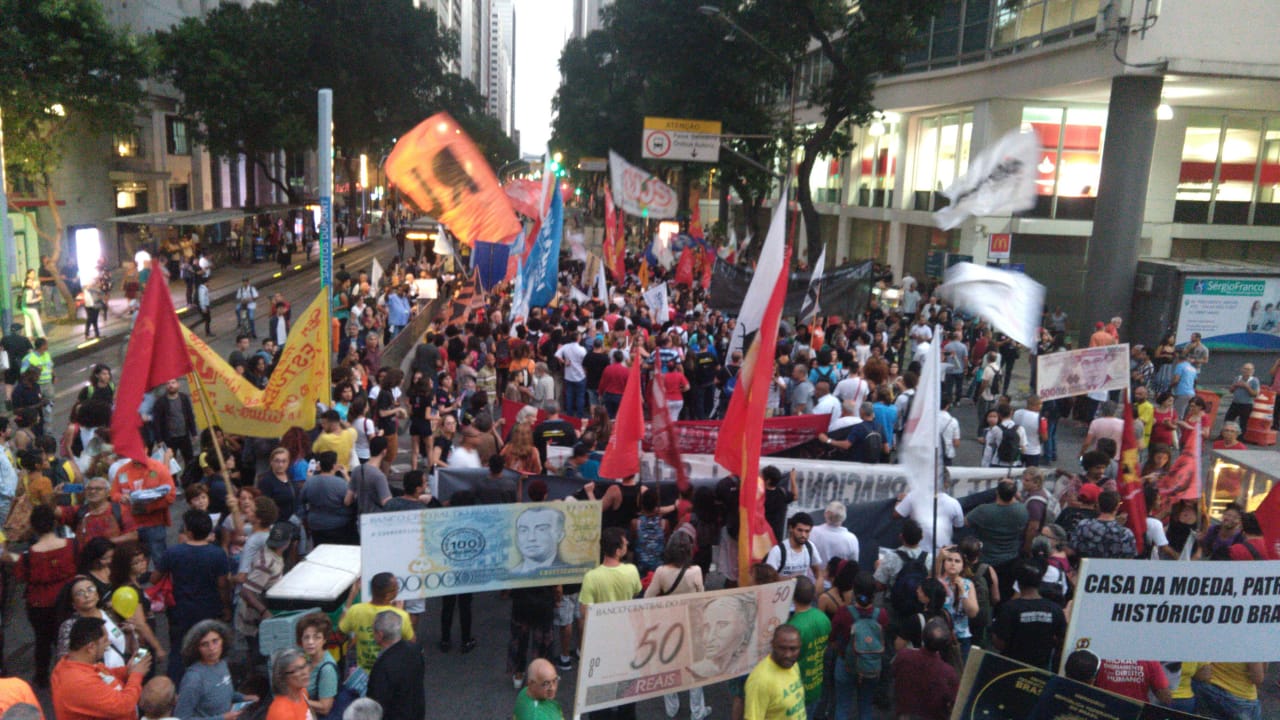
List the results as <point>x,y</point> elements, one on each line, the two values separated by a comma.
<point>84,525</point>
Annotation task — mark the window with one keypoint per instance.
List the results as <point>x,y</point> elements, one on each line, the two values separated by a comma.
<point>127,145</point>
<point>176,136</point>
<point>1230,172</point>
<point>879,162</point>
<point>942,155</point>
<point>1070,159</point>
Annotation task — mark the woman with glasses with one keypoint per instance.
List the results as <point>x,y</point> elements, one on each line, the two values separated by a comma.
<point>80,599</point>
<point>290,674</point>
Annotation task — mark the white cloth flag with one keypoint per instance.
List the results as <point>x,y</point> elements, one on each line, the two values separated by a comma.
<point>656,298</point>
<point>639,193</point>
<point>729,247</point>
<point>920,446</point>
<point>602,287</point>
<point>1000,180</point>
<point>577,295</point>
<point>375,277</point>
<point>1009,300</point>
<point>768,266</point>
<point>811,296</point>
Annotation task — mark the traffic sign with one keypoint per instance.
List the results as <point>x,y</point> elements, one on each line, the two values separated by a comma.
<point>593,164</point>
<point>680,139</point>
<point>999,245</point>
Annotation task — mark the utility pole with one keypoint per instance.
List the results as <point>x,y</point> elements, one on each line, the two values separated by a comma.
<point>8,253</point>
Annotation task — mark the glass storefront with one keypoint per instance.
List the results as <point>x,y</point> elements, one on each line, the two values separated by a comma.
<point>879,162</point>
<point>1070,160</point>
<point>1230,171</point>
<point>942,155</point>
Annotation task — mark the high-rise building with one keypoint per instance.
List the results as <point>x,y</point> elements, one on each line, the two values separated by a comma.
<point>586,16</point>
<point>500,88</point>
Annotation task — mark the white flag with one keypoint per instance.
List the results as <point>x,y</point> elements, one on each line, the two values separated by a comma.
<point>768,266</point>
<point>1010,301</point>
<point>375,277</point>
<point>602,287</point>
<point>918,451</point>
<point>1001,180</point>
<point>519,297</point>
<point>577,295</point>
<point>656,298</point>
<point>638,193</point>
<point>730,247</point>
<point>809,309</point>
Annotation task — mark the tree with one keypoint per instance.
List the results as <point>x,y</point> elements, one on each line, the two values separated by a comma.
<point>63,70</point>
<point>238,101</point>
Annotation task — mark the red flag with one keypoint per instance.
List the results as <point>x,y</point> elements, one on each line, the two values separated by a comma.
<point>156,355</point>
<point>708,263</point>
<point>695,216</point>
<point>1268,514</point>
<point>1132,501</point>
<point>738,447</point>
<point>666,446</point>
<point>615,243</point>
<point>684,268</point>
<point>622,455</point>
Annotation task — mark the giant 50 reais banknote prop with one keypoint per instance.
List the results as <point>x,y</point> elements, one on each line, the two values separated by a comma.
<point>447,551</point>
<point>1077,372</point>
<point>640,649</point>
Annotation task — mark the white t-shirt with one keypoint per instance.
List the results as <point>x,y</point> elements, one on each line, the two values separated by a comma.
<point>851,388</point>
<point>798,562</point>
<point>948,433</point>
<point>461,457</point>
<point>919,506</point>
<point>571,355</point>
<point>834,542</point>
<point>1029,421</point>
<point>828,405</point>
<point>1155,539</point>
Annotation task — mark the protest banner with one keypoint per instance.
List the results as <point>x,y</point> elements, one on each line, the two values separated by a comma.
<point>300,379</point>
<point>844,291</point>
<point>638,193</point>
<point>639,649</point>
<point>1077,372</point>
<point>1219,611</point>
<point>993,687</point>
<point>477,548</point>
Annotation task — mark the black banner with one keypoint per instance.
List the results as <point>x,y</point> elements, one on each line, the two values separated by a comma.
<point>844,291</point>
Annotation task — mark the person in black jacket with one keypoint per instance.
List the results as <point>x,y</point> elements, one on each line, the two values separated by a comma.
<point>174,421</point>
<point>397,680</point>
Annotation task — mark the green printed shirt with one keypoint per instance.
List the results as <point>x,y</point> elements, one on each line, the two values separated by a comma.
<point>815,628</point>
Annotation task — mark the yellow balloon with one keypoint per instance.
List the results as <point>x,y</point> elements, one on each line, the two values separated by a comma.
<point>124,601</point>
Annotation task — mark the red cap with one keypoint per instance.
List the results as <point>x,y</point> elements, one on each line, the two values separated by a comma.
<point>1089,493</point>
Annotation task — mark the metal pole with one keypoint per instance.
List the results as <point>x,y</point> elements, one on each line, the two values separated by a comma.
<point>364,188</point>
<point>8,254</point>
<point>324,156</point>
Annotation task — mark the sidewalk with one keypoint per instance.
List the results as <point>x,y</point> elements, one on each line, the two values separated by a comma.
<point>68,344</point>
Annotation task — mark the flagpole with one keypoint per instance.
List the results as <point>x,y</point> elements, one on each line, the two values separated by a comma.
<point>211,423</point>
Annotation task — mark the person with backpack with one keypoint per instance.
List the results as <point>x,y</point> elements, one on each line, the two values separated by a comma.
<point>861,629</point>
<point>1004,444</point>
<point>796,556</point>
<point>1001,526</point>
<point>815,629</point>
<point>862,442</point>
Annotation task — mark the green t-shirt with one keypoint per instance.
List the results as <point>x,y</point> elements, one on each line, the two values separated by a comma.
<point>610,584</point>
<point>773,693</point>
<point>1001,528</point>
<point>358,620</point>
<point>815,628</point>
<point>529,709</point>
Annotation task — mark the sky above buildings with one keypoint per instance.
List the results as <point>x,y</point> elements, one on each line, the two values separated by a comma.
<point>542,27</point>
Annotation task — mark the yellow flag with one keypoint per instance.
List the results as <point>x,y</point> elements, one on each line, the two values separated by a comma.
<point>299,381</point>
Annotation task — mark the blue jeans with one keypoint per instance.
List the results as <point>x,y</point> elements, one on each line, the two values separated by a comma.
<point>611,403</point>
<point>154,538</point>
<point>1212,701</point>
<point>1049,448</point>
<point>847,686</point>
<point>575,398</point>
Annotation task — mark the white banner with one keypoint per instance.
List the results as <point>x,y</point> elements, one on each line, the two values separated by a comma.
<point>1077,372</point>
<point>1000,180</point>
<point>1218,611</point>
<point>1010,301</point>
<point>639,193</point>
<point>640,649</point>
<point>659,305</point>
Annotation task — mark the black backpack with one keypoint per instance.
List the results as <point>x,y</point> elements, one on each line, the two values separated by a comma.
<point>1008,451</point>
<point>782,554</point>
<point>873,447</point>
<point>902,596</point>
<point>901,424</point>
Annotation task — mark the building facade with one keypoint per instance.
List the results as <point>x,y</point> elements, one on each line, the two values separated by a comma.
<point>1159,126</point>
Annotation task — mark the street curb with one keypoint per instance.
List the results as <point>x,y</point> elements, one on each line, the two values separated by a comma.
<point>226,298</point>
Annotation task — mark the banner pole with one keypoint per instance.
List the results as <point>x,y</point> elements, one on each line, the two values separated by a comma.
<point>210,417</point>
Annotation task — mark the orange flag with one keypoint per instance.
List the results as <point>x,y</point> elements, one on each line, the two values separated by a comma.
<point>684,268</point>
<point>153,358</point>
<point>622,454</point>
<point>741,434</point>
<point>444,175</point>
<point>1132,500</point>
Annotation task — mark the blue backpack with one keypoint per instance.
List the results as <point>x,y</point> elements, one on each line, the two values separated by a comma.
<point>865,652</point>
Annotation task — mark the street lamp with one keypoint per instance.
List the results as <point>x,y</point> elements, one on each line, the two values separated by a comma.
<point>716,13</point>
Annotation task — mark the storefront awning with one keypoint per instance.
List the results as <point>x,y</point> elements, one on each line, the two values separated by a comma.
<point>184,217</point>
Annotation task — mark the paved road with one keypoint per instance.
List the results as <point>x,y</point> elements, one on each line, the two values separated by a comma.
<point>473,686</point>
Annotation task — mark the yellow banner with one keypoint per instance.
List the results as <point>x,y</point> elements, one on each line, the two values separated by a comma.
<point>299,381</point>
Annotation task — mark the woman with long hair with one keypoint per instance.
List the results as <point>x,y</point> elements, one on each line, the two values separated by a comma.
<point>419,399</point>
<point>386,406</point>
<point>677,575</point>
<point>600,426</point>
<point>1185,523</point>
<point>45,568</point>
<point>366,428</point>
<point>520,454</point>
<point>79,598</point>
<point>95,563</point>
<point>962,600</point>
<point>443,441</point>
<point>256,373</point>
<point>296,441</point>
<point>1164,358</point>
<point>129,569</point>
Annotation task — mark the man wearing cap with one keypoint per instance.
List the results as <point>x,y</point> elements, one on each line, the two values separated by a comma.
<point>266,570</point>
<point>246,303</point>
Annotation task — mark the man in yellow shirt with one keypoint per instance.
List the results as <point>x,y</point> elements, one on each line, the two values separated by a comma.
<point>1146,413</point>
<point>1228,689</point>
<point>358,619</point>
<point>774,690</point>
<point>336,436</point>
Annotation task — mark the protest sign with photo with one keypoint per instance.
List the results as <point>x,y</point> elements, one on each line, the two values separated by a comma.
<point>1078,372</point>
<point>476,548</point>
<point>1219,611</point>
<point>640,649</point>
